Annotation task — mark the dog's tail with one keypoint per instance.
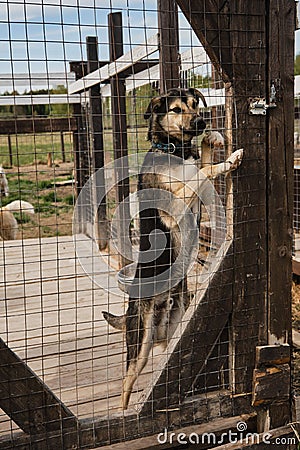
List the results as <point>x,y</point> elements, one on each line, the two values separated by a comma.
<point>19,206</point>
<point>118,322</point>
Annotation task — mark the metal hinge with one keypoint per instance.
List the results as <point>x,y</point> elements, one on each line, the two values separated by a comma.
<point>259,105</point>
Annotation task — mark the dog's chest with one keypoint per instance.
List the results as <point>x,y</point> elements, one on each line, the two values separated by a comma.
<point>179,173</point>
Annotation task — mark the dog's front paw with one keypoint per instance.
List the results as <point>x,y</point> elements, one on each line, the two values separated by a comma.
<point>214,139</point>
<point>235,159</point>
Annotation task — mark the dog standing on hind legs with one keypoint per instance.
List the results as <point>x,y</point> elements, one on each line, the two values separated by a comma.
<point>151,318</point>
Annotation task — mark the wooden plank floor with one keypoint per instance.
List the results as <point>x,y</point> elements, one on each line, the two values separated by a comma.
<point>51,316</point>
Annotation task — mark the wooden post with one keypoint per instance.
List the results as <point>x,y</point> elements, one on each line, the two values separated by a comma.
<point>96,128</point>
<point>228,150</point>
<point>217,156</point>
<point>62,145</point>
<point>75,149</point>
<point>237,27</point>
<point>80,144</point>
<point>80,138</point>
<point>10,150</point>
<point>169,45</point>
<point>119,125</point>
<point>82,157</point>
<point>249,316</point>
<point>280,156</point>
<point>262,190</point>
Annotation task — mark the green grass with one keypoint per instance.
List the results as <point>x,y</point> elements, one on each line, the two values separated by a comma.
<point>46,203</point>
<point>136,140</point>
<point>50,204</point>
<point>45,197</point>
<point>44,184</point>
<point>23,218</point>
<point>31,148</point>
<point>49,232</point>
<point>69,200</point>
<point>50,197</point>
<point>20,189</point>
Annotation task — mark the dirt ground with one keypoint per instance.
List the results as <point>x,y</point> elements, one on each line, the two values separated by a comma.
<point>52,200</point>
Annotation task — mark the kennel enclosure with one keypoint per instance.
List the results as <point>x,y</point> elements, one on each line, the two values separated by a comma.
<point>230,357</point>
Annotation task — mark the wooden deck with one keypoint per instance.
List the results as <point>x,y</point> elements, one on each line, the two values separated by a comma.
<point>51,317</point>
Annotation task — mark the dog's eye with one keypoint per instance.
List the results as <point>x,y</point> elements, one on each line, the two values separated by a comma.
<point>176,110</point>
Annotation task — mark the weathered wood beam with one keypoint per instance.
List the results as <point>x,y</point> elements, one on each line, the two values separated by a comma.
<point>211,22</point>
<point>270,355</point>
<point>271,376</point>
<point>130,427</point>
<point>168,45</point>
<point>201,328</point>
<point>256,50</point>
<point>97,143</point>
<point>37,125</point>
<point>119,65</point>
<point>80,137</point>
<point>280,64</point>
<point>120,144</point>
<point>131,71</point>
<point>248,40</point>
<point>45,99</point>
<point>283,438</point>
<point>271,385</point>
<point>27,400</point>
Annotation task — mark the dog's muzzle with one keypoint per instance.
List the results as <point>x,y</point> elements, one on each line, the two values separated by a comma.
<point>198,125</point>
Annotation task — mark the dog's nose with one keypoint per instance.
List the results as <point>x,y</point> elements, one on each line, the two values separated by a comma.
<point>199,123</point>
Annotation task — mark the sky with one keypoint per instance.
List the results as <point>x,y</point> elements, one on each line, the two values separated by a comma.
<point>42,36</point>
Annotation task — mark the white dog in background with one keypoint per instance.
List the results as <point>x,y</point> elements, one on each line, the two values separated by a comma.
<point>4,191</point>
<point>8,224</point>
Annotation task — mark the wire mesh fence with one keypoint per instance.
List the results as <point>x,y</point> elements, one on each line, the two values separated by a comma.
<point>83,99</point>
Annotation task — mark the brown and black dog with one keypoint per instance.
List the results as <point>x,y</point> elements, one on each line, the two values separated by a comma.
<point>170,166</point>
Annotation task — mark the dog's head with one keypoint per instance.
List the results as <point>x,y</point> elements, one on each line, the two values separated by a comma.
<point>176,114</point>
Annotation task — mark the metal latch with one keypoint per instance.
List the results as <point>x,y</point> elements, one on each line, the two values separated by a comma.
<point>259,106</point>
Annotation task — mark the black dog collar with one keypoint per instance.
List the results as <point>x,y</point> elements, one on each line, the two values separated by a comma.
<point>166,148</point>
<point>182,151</point>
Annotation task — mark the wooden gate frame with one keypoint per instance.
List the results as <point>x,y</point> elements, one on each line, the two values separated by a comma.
<point>251,45</point>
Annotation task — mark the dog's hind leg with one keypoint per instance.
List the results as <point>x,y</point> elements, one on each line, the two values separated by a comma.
<point>136,365</point>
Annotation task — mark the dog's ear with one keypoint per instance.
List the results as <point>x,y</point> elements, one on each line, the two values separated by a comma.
<point>152,107</point>
<point>197,94</point>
